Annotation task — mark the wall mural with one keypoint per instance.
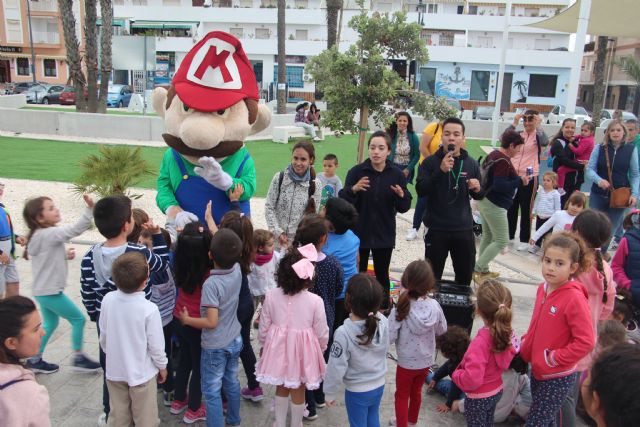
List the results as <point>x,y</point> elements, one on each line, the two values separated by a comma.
<point>454,86</point>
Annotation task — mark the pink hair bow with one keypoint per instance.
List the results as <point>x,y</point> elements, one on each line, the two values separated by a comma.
<point>304,268</point>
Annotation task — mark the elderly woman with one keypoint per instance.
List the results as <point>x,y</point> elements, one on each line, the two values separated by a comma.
<point>613,165</point>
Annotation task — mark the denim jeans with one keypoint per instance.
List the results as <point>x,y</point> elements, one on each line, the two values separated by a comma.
<point>363,409</point>
<point>309,128</point>
<point>220,367</point>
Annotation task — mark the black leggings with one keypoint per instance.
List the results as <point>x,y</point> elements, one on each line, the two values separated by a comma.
<point>523,201</point>
<point>247,355</point>
<point>381,262</point>
<point>189,363</point>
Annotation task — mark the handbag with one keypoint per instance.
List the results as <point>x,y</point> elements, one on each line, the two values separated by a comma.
<point>619,197</point>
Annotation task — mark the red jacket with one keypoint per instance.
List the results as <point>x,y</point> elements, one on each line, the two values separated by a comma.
<point>560,332</point>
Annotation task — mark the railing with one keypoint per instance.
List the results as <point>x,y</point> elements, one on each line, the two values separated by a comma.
<point>45,37</point>
<point>43,6</point>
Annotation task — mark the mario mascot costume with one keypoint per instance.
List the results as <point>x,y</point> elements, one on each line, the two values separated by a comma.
<point>209,109</point>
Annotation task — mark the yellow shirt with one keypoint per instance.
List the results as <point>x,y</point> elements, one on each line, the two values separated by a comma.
<point>436,140</point>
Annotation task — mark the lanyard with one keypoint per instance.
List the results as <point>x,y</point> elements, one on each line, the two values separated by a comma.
<point>457,178</point>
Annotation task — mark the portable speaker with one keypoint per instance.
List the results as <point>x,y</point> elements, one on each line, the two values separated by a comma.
<point>456,303</point>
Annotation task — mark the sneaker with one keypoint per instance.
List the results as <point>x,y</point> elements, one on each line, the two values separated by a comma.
<point>102,420</point>
<point>533,249</point>
<point>411,234</point>
<point>42,367</point>
<point>191,417</point>
<point>321,404</point>
<point>178,406</point>
<point>479,277</point>
<point>167,398</point>
<point>82,363</point>
<point>255,394</point>
<point>310,416</point>
<point>522,246</point>
<point>316,139</point>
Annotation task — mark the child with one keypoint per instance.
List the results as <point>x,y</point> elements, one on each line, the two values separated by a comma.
<point>547,203</point>
<point>113,218</point>
<point>331,183</point>
<point>343,244</point>
<point>49,257</point>
<point>192,267</point>
<point>327,285</point>
<point>139,217</point>
<point>23,402</point>
<point>453,344</point>
<point>610,394</point>
<point>582,147</point>
<point>293,335</point>
<point>479,374</point>
<point>562,220</point>
<point>413,326</point>
<point>163,294</point>
<point>626,261</point>
<point>623,313</point>
<point>9,279</point>
<point>358,356</point>
<point>221,341</point>
<point>263,270</point>
<point>131,336</point>
<point>557,337</point>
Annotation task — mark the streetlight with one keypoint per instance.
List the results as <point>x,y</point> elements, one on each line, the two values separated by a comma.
<point>33,53</point>
<point>421,8</point>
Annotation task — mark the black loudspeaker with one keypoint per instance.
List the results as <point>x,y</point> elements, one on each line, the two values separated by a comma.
<point>456,303</point>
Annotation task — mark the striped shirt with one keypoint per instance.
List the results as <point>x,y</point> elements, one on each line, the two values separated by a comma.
<point>163,293</point>
<point>547,203</point>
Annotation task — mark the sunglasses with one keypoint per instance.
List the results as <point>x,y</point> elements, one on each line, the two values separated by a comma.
<point>529,118</point>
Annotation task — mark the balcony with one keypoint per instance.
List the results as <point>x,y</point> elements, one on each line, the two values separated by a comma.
<point>43,6</point>
<point>46,37</point>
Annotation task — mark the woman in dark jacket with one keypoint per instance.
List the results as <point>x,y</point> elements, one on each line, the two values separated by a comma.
<point>405,145</point>
<point>378,190</point>
<point>563,156</point>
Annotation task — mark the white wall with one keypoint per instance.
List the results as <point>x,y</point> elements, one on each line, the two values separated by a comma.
<point>13,101</point>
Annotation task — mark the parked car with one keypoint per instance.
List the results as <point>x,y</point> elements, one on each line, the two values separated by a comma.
<point>36,93</point>
<point>119,96</point>
<point>558,114</point>
<point>482,113</point>
<point>68,96</point>
<point>608,114</point>
<point>21,87</point>
<point>52,95</point>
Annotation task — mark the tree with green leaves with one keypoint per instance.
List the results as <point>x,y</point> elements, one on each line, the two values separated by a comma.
<point>631,67</point>
<point>360,79</point>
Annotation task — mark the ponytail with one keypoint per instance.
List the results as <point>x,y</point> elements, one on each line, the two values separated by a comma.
<point>494,305</point>
<point>500,329</point>
<point>417,280</point>
<point>363,299</point>
<point>370,327</point>
<point>600,268</point>
<point>311,203</point>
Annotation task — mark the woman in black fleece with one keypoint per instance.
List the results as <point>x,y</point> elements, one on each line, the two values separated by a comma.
<point>378,190</point>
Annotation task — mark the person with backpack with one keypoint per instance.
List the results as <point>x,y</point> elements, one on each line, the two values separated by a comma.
<point>500,182</point>
<point>293,193</point>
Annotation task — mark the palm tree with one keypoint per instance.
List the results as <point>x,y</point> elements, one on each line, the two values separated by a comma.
<point>522,87</point>
<point>333,9</point>
<point>598,79</point>
<point>106,32</point>
<point>72,45</point>
<point>282,70</point>
<point>631,67</point>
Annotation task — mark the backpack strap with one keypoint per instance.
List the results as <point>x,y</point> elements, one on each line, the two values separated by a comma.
<point>10,383</point>
<point>310,191</point>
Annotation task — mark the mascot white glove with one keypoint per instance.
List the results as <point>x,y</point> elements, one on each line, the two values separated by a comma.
<point>183,218</point>
<point>212,172</point>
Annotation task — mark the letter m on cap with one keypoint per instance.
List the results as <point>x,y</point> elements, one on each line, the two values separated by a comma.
<point>214,66</point>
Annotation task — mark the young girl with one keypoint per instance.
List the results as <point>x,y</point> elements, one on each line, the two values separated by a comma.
<point>45,248</point>
<point>413,326</point>
<point>23,402</point>
<point>293,193</point>
<point>623,313</point>
<point>547,203</point>
<point>358,356</point>
<point>626,261</point>
<point>557,337</point>
<point>563,156</point>
<point>293,335</point>
<point>327,284</point>
<point>582,147</point>
<point>490,353</point>
<point>263,269</point>
<point>343,244</point>
<point>192,267</point>
<point>562,220</point>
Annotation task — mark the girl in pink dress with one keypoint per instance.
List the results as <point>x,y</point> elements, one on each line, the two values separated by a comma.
<point>293,335</point>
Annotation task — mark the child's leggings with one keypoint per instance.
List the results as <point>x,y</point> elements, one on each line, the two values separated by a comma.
<point>409,384</point>
<point>363,409</point>
<point>479,412</point>
<point>548,396</point>
<point>52,308</point>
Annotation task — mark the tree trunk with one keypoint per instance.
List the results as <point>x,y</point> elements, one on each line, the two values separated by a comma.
<point>364,125</point>
<point>339,28</point>
<point>91,54</point>
<point>74,60</point>
<point>106,32</point>
<point>333,8</point>
<point>282,67</point>
<point>598,79</point>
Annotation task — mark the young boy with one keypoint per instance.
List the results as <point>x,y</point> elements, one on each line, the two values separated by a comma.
<point>9,279</point>
<point>113,218</point>
<point>131,333</point>
<point>331,183</point>
<point>221,341</point>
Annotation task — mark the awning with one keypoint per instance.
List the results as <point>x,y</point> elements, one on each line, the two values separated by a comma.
<point>114,22</point>
<point>163,25</point>
<point>28,56</point>
<point>617,18</point>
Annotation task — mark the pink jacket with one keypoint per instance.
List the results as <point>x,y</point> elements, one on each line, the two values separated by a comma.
<point>23,402</point>
<point>618,262</point>
<point>479,374</point>
<point>584,148</point>
<point>593,282</point>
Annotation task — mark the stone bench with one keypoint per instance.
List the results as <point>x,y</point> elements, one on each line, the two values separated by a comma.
<point>282,134</point>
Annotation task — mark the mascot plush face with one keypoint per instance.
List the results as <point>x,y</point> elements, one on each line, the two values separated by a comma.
<point>211,106</point>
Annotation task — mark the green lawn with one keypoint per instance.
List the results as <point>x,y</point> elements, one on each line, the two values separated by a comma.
<point>120,111</point>
<point>58,161</point>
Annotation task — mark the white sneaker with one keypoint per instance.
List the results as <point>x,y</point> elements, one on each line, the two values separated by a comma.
<point>533,249</point>
<point>412,234</point>
<point>102,420</point>
<point>316,138</point>
<point>522,247</point>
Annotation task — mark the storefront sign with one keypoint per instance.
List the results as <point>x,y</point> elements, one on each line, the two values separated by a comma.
<point>10,49</point>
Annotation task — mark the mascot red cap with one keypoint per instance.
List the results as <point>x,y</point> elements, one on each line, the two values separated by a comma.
<point>215,74</point>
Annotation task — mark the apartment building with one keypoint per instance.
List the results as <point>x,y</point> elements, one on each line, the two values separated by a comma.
<point>48,41</point>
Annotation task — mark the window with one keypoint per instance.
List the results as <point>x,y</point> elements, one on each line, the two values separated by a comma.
<point>262,33</point>
<point>294,75</point>
<point>171,2</point>
<point>384,7</point>
<point>23,66</point>
<point>473,10</point>
<point>428,80</point>
<point>543,85</point>
<point>432,8</point>
<point>14,31</point>
<point>50,69</point>
<point>237,32</point>
<point>542,44</point>
<point>246,3</point>
<point>11,4</point>
<point>139,2</point>
<point>480,85</point>
<point>301,34</point>
<point>460,10</point>
<point>485,42</point>
<point>270,3</point>
<point>302,4</point>
<point>118,2</point>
